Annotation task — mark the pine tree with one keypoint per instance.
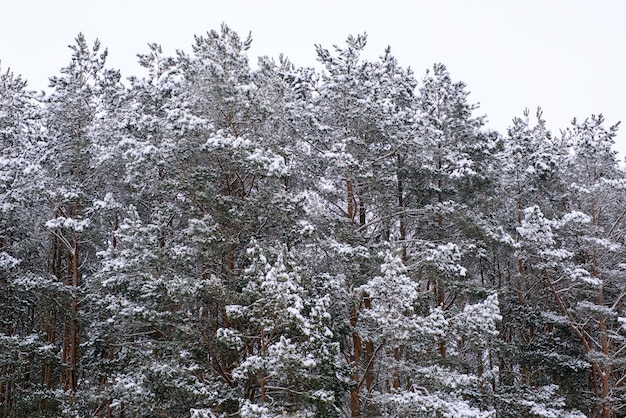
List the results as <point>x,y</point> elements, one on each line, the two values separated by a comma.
<point>584,273</point>
<point>531,169</point>
<point>291,359</point>
<point>363,122</point>
<point>22,275</point>
<point>74,112</point>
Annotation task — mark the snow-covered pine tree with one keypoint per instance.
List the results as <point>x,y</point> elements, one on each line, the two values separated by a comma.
<point>374,142</point>
<point>448,184</point>
<point>291,362</point>
<point>249,195</point>
<point>584,269</point>
<point>531,169</point>
<point>360,128</point>
<point>144,334</point>
<point>80,101</point>
<point>25,351</point>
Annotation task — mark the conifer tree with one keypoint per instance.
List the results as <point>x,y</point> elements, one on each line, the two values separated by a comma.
<point>584,269</point>
<point>74,111</point>
<point>25,353</point>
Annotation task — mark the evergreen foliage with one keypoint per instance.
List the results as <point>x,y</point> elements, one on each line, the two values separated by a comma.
<point>216,239</point>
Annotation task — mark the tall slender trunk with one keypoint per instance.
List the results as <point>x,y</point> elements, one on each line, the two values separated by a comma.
<point>262,376</point>
<point>396,373</point>
<point>355,357</point>
<point>5,397</point>
<point>369,353</point>
<point>350,198</point>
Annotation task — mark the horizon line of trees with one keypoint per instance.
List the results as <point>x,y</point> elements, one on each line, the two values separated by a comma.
<point>212,240</point>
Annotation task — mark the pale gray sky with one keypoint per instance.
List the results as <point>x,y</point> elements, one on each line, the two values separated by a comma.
<point>567,56</point>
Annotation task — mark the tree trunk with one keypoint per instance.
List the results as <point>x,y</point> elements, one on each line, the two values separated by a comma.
<point>355,357</point>
<point>351,212</point>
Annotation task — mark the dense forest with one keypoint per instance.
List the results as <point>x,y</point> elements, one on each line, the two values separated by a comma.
<point>221,239</point>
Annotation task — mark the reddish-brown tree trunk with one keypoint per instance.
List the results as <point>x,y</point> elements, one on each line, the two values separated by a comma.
<point>351,211</point>
<point>355,357</point>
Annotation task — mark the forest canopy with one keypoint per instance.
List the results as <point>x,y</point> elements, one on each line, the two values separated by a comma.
<point>218,239</point>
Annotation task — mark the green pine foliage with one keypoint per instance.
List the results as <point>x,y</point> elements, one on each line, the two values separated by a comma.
<point>217,239</point>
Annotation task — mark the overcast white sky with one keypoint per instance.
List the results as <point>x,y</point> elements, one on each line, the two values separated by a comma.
<point>567,56</point>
